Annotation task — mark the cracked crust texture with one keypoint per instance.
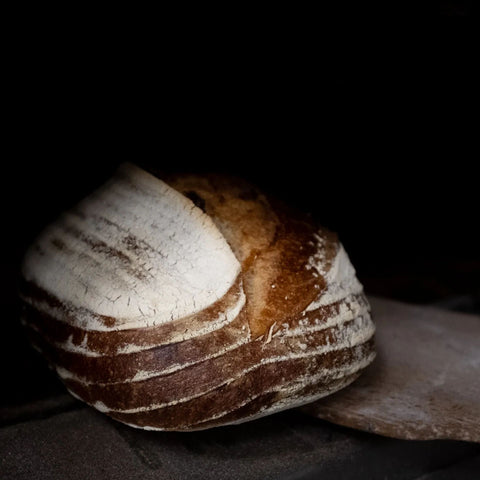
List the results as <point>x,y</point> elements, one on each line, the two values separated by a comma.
<point>267,312</point>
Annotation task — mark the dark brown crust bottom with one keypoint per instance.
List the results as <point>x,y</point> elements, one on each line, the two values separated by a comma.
<point>241,396</point>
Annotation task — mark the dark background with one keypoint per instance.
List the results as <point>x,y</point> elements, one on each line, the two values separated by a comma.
<point>455,8</point>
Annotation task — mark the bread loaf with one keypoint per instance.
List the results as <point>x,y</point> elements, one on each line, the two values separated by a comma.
<point>192,302</point>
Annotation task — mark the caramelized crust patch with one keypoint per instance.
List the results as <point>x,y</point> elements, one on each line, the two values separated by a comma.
<point>272,244</point>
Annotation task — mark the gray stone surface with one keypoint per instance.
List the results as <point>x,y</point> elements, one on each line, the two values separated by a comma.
<point>424,382</point>
<point>469,469</point>
<point>38,409</point>
<point>72,445</point>
<point>83,443</point>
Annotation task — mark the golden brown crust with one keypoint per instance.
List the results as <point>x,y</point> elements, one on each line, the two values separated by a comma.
<point>272,243</point>
<point>286,332</point>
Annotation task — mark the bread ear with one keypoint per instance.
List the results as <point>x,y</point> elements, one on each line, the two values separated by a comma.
<point>193,302</point>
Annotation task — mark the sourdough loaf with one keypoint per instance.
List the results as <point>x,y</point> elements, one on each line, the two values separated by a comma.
<point>193,301</point>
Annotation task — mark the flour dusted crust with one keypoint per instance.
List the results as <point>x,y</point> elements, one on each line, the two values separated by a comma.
<point>193,301</point>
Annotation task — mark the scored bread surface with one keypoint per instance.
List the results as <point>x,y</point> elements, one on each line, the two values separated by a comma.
<point>193,301</point>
